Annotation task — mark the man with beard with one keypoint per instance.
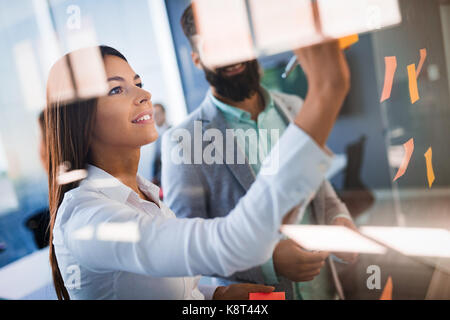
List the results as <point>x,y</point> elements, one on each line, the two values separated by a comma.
<point>237,101</point>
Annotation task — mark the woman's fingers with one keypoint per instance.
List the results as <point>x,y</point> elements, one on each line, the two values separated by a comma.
<point>259,288</point>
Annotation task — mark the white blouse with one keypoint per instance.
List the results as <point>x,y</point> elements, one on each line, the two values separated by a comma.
<point>110,244</point>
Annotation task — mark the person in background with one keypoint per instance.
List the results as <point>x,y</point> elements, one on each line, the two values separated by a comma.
<point>38,223</point>
<point>111,228</point>
<point>236,100</point>
<point>162,126</point>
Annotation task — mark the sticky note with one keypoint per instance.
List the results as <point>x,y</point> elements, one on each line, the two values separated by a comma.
<point>412,241</point>
<point>430,172</point>
<point>347,42</point>
<point>356,16</point>
<point>409,149</point>
<point>71,176</point>
<point>232,31</point>
<point>279,27</point>
<point>413,90</point>
<point>267,296</point>
<point>387,291</point>
<point>221,45</point>
<point>423,56</point>
<point>331,239</point>
<point>391,67</point>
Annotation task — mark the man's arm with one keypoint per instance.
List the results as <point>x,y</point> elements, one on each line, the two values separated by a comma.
<point>336,213</point>
<point>334,207</point>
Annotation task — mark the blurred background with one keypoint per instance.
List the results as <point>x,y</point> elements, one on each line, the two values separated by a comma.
<point>368,135</point>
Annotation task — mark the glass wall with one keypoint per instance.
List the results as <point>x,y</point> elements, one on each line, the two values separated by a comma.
<point>371,135</point>
<point>391,139</point>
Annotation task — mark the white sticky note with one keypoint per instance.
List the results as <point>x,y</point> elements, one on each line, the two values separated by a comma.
<point>341,18</point>
<point>427,242</point>
<point>281,25</point>
<point>331,239</point>
<point>224,32</point>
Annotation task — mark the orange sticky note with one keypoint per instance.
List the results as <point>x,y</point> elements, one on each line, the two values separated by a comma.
<point>409,149</point>
<point>413,90</point>
<point>267,296</point>
<point>423,56</point>
<point>387,291</point>
<point>430,172</point>
<point>391,67</point>
<point>347,42</point>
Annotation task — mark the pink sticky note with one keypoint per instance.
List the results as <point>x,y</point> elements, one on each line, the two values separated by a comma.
<point>391,67</point>
<point>409,149</point>
<point>423,56</point>
<point>267,296</point>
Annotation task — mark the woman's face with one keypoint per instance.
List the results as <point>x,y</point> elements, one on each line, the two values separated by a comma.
<point>125,115</point>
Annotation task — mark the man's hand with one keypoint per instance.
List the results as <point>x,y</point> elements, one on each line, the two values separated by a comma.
<point>295,263</point>
<point>239,291</point>
<point>349,257</point>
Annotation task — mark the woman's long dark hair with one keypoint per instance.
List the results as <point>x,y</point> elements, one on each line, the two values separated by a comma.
<point>68,132</point>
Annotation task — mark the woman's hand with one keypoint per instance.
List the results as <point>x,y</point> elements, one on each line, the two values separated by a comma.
<point>240,291</point>
<point>328,77</point>
<point>325,65</point>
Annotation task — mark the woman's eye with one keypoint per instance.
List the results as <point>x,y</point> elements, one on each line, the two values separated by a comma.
<point>116,90</point>
<point>140,85</point>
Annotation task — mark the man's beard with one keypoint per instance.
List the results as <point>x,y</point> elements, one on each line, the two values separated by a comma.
<point>238,87</point>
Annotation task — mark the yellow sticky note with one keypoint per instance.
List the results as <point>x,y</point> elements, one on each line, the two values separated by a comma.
<point>347,42</point>
<point>430,172</point>
<point>413,90</point>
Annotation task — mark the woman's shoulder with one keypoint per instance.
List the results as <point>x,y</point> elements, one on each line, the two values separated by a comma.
<point>77,199</point>
<point>85,191</point>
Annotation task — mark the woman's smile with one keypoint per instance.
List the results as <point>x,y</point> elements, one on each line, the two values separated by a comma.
<point>145,117</point>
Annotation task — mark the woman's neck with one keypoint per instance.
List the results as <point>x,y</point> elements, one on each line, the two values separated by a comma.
<point>122,163</point>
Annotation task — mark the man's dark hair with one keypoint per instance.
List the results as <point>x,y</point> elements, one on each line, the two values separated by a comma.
<point>188,25</point>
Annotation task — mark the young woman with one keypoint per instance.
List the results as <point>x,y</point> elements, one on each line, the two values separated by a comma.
<point>118,240</point>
